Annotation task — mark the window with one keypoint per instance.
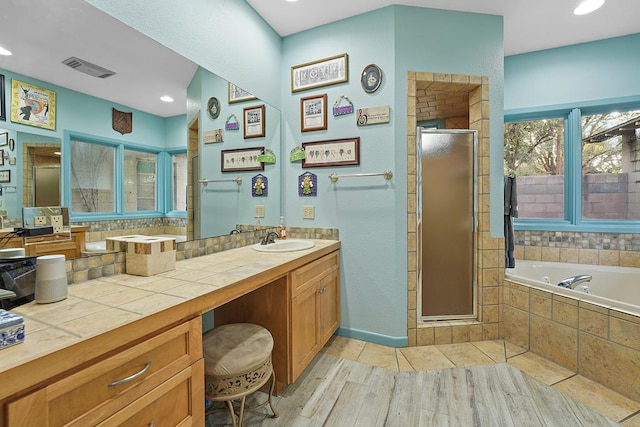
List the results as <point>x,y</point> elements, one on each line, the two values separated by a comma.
<point>179,181</point>
<point>92,177</point>
<point>139,181</point>
<point>577,169</point>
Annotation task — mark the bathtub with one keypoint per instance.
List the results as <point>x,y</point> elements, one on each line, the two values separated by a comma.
<point>613,287</point>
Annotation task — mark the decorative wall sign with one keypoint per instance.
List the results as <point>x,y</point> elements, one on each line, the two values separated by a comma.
<point>121,122</point>
<point>336,152</point>
<point>297,153</point>
<point>324,72</point>
<point>213,136</point>
<point>241,159</point>
<point>313,113</point>
<point>12,161</point>
<point>254,122</point>
<point>32,105</point>
<point>232,123</point>
<point>340,109</point>
<point>371,78</point>
<point>307,185</point>
<point>268,156</point>
<point>372,116</point>
<point>237,94</point>
<point>5,176</point>
<point>213,107</point>
<point>3,105</point>
<point>259,186</point>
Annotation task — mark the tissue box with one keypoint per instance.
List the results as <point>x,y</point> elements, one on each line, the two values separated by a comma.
<point>11,329</point>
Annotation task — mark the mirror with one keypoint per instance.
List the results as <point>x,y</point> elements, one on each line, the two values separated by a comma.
<point>222,205</point>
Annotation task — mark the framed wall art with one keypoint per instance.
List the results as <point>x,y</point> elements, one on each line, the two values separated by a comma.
<point>324,72</point>
<point>1,157</point>
<point>3,105</point>
<point>5,176</point>
<point>335,152</point>
<point>213,107</point>
<point>237,94</point>
<point>371,78</point>
<point>241,159</point>
<point>254,122</point>
<point>4,139</point>
<point>32,105</point>
<point>313,113</point>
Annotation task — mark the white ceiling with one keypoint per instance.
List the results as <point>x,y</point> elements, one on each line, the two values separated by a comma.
<point>42,33</point>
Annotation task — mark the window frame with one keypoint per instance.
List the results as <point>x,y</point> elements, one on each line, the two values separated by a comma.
<point>573,221</point>
<point>120,147</point>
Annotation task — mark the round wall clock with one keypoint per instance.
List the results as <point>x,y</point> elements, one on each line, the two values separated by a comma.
<point>371,78</point>
<point>213,107</point>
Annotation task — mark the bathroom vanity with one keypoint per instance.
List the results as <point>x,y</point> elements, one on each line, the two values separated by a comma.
<point>70,248</point>
<point>127,350</point>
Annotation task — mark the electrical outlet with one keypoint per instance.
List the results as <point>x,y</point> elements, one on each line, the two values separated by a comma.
<point>56,223</point>
<point>258,211</point>
<point>308,212</point>
<point>39,220</point>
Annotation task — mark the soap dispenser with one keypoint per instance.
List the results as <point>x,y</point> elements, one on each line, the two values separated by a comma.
<point>282,230</point>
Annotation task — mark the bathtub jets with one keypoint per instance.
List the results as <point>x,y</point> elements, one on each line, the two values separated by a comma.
<point>572,282</point>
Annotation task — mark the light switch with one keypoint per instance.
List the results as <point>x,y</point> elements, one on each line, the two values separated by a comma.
<point>258,211</point>
<point>308,212</point>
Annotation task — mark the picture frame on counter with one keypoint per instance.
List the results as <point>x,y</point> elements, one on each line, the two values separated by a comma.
<point>334,152</point>
<point>241,159</point>
<point>323,72</point>
<point>254,121</point>
<point>313,113</point>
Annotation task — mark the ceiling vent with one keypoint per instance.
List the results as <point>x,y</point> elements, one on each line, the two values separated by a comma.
<point>88,68</point>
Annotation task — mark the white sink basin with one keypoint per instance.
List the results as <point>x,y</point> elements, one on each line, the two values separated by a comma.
<point>288,245</point>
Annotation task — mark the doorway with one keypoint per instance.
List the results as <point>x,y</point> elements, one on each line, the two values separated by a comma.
<point>41,180</point>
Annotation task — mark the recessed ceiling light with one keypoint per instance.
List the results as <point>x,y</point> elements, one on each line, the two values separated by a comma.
<point>291,1</point>
<point>588,6</point>
<point>4,51</point>
<point>166,98</point>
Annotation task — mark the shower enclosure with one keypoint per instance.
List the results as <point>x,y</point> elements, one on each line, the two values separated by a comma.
<point>447,223</point>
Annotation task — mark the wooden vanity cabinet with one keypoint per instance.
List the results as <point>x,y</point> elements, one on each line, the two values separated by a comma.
<point>160,378</point>
<point>315,309</point>
<point>301,310</point>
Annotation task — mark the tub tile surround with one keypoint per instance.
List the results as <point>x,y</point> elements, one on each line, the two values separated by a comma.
<point>490,250</point>
<point>599,343</point>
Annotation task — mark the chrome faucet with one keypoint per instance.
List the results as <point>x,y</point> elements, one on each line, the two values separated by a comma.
<point>269,238</point>
<point>574,281</point>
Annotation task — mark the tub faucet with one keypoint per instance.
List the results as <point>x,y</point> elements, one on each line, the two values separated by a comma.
<point>235,231</point>
<point>269,238</point>
<point>574,281</point>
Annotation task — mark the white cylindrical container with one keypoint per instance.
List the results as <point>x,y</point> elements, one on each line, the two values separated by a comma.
<point>11,252</point>
<point>51,279</point>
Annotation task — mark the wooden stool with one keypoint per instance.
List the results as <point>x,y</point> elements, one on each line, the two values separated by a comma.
<point>237,362</point>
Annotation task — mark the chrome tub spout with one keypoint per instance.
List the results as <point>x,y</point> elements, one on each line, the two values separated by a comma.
<point>574,281</point>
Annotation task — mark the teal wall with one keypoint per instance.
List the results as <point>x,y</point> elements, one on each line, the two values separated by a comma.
<point>176,131</point>
<point>601,70</point>
<point>226,37</point>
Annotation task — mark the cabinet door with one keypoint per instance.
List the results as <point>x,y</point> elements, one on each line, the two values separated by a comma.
<point>329,297</point>
<point>304,329</point>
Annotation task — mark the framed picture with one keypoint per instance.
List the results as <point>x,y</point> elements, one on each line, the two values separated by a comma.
<point>1,157</point>
<point>241,159</point>
<point>335,152</point>
<point>5,176</point>
<point>313,113</point>
<point>237,94</point>
<point>4,139</point>
<point>324,72</point>
<point>371,78</point>
<point>3,108</point>
<point>32,105</point>
<point>254,122</point>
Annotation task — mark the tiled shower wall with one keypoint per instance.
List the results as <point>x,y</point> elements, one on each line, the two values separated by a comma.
<point>617,249</point>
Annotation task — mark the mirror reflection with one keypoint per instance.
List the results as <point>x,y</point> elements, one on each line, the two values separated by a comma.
<point>146,181</point>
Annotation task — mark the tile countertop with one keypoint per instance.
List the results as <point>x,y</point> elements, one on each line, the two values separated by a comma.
<point>197,285</point>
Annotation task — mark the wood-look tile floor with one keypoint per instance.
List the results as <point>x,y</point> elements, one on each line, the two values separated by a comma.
<point>489,383</point>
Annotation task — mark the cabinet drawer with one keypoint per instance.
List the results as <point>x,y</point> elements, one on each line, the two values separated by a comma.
<point>177,401</point>
<point>308,274</point>
<point>94,393</point>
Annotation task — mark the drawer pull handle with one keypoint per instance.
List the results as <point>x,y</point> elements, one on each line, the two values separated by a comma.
<point>131,377</point>
<point>152,423</point>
